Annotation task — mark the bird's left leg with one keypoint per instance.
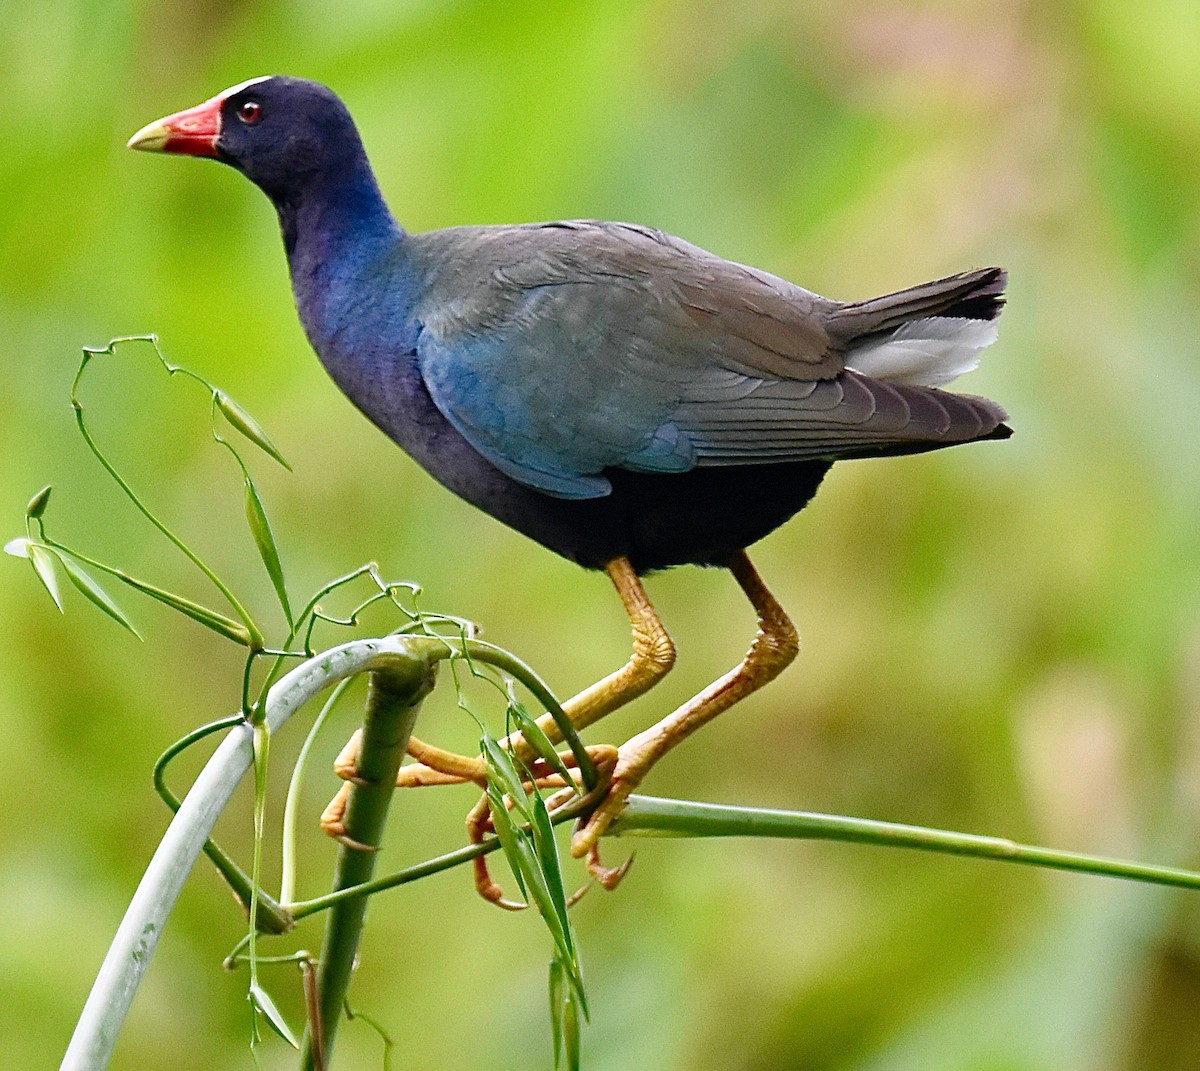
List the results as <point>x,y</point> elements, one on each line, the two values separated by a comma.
<point>775,646</point>
<point>651,659</point>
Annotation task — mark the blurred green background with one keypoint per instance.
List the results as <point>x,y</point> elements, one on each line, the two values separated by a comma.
<point>1002,639</point>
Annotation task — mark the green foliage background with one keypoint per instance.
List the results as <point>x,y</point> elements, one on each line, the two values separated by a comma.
<point>1002,639</point>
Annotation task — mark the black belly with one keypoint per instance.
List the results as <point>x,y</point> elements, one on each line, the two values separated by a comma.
<point>700,517</point>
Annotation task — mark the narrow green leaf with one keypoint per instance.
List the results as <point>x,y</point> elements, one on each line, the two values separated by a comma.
<point>88,586</point>
<point>571,1036</point>
<point>219,623</point>
<point>546,849</point>
<point>562,930</point>
<point>537,739</point>
<point>539,893</point>
<point>37,504</point>
<point>264,538</point>
<point>508,836</point>
<point>43,566</point>
<point>502,770</point>
<point>18,548</point>
<point>261,1000</point>
<point>241,419</point>
<point>529,873</point>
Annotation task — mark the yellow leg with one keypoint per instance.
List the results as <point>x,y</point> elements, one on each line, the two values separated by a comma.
<point>774,647</point>
<point>652,657</point>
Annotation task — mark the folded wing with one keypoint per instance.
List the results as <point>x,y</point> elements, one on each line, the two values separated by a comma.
<point>595,345</point>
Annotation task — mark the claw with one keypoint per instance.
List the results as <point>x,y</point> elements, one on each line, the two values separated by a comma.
<point>609,877</point>
<point>333,818</point>
<point>490,891</point>
<point>333,821</point>
<point>346,764</point>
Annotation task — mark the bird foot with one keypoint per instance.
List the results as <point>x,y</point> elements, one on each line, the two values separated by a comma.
<point>333,821</point>
<point>346,764</point>
<point>479,824</point>
<point>626,776</point>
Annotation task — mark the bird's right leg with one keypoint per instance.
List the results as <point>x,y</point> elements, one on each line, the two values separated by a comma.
<point>652,657</point>
<point>775,646</point>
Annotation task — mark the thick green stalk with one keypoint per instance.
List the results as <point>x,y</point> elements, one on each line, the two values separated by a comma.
<point>648,815</point>
<point>393,699</point>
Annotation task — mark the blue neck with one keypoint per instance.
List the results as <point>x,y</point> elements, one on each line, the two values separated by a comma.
<point>333,228</point>
<point>353,284</point>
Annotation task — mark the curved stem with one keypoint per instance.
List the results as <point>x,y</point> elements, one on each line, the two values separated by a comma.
<point>137,937</point>
<point>291,806</point>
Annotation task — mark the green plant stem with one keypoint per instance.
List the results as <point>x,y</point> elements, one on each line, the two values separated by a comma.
<point>393,699</point>
<point>647,815</point>
<point>270,915</point>
<point>256,639</point>
<point>652,816</point>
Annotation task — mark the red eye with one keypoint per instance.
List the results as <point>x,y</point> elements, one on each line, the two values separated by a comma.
<point>250,112</point>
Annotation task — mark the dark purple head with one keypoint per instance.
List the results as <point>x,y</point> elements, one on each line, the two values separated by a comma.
<point>280,132</point>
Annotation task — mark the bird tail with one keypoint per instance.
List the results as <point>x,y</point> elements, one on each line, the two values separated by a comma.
<point>924,336</point>
<point>973,295</point>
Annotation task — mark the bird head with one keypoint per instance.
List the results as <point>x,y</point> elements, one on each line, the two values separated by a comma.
<point>278,131</point>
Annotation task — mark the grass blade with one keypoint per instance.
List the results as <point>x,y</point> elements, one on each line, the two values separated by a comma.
<point>43,565</point>
<point>91,590</point>
<point>557,1007</point>
<point>219,623</point>
<point>537,739</point>
<point>268,550</point>
<point>571,1033</point>
<point>550,868</point>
